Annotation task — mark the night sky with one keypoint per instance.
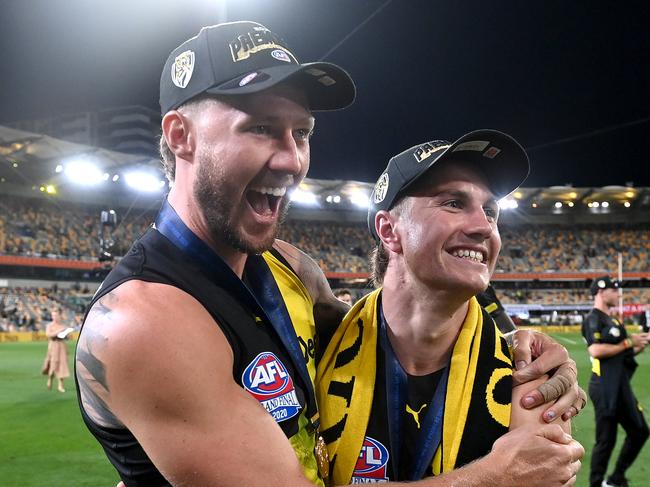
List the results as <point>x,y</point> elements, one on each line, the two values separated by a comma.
<point>569,79</point>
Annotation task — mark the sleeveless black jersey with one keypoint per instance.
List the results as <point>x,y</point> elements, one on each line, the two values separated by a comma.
<point>261,365</point>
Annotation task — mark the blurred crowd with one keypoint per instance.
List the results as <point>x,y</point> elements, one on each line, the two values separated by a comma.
<point>28,309</point>
<point>56,229</point>
<point>38,228</point>
<point>564,296</point>
<point>60,230</point>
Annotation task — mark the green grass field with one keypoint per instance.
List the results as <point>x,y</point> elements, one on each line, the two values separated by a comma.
<point>43,441</point>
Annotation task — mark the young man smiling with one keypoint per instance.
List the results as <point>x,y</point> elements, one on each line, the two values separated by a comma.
<point>208,317</point>
<point>417,381</point>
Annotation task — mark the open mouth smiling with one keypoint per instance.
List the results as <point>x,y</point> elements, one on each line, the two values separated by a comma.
<point>265,200</point>
<point>468,254</point>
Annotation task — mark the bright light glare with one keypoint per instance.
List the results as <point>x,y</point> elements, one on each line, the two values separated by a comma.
<point>360,199</point>
<point>626,204</point>
<point>558,204</point>
<point>303,197</point>
<point>605,204</point>
<point>333,198</point>
<point>508,204</point>
<point>142,181</point>
<point>595,204</point>
<point>58,168</point>
<point>84,172</point>
<point>50,189</point>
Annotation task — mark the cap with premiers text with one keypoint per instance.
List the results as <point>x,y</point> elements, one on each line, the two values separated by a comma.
<point>500,157</point>
<point>239,58</point>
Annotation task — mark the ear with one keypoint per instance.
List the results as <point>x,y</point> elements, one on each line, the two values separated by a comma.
<point>177,133</point>
<point>385,227</point>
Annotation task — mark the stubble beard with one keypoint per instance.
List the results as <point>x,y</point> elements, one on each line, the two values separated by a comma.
<point>218,204</point>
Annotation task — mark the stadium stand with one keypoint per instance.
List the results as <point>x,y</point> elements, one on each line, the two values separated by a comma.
<point>36,228</point>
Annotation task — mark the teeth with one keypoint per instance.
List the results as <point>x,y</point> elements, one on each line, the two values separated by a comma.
<point>272,191</point>
<point>469,254</point>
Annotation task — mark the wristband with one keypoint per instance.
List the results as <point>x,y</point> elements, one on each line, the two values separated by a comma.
<point>627,343</point>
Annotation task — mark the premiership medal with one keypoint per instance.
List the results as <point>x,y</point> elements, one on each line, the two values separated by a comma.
<point>322,458</point>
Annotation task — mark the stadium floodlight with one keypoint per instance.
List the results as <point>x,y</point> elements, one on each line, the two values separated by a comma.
<point>558,204</point>
<point>303,197</point>
<point>115,177</point>
<point>626,204</point>
<point>106,176</point>
<point>595,204</point>
<point>605,204</point>
<point>83,172</point>
<point>333,198</point>
<point>360,199</point>
<point>508,204</point>
<point>58,168</point>
<point>142,181</point>
<point>570,204</point>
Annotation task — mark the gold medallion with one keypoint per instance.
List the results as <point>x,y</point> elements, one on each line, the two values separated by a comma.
<point>322,458</point>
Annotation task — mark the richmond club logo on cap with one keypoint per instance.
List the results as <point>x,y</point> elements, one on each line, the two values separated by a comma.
<point>381,188</point>
<point>182,69</point>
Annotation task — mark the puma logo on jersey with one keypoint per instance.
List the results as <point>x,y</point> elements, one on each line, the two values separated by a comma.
<point>415,414</point>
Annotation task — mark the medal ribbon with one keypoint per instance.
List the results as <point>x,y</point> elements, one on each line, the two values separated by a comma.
<point>396,392</point>
<point>263,296</point>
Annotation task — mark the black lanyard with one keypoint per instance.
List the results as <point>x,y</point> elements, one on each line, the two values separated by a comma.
<point>396,391</point>
<point>263,296</point>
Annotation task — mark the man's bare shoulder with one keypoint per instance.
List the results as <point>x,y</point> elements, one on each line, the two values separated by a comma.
<point>133,336</point>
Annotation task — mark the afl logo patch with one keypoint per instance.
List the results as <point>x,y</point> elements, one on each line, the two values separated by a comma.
<point>267,380</point>
<point>182,69</point>
<point>280,55</point>
<point>381,188</point>
<point>372,463</point>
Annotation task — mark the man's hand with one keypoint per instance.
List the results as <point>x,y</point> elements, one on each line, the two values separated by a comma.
<point>639,341</point>
<point>536,456</point>
<point>536,354</point>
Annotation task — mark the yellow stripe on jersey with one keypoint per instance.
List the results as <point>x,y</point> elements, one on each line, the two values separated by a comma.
<point>492,307</point>
<point>301,311</point>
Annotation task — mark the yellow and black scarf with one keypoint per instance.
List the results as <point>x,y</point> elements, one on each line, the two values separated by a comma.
<point>477,404</point>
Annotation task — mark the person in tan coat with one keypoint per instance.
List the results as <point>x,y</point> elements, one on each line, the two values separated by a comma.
<point>56,360</point>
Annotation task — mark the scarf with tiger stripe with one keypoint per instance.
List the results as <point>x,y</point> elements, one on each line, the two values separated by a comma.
<point>477,404</point>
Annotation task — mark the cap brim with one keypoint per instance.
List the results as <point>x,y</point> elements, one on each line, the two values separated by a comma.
<point>327,86</point>
<point>502,160</point>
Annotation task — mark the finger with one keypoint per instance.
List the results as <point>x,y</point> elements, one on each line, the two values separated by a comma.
<point>577,406</point>
<point>559,386</point>
<point>556,434</point>
<point>562,380</point>
<point>553,355</point>
<point>572,472</point>
<point>577,450</point>
<point>521,348</point>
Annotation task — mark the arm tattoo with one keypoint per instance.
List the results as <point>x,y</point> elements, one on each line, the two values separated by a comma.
<point>91,371</point>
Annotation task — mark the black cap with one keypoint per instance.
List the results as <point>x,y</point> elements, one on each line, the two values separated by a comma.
<point>603,282</point>
<point>501,158</point>
<point>245,57</point>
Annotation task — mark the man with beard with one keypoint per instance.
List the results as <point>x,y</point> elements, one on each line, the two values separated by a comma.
<point>612,355</point>
<point>205,319</point>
